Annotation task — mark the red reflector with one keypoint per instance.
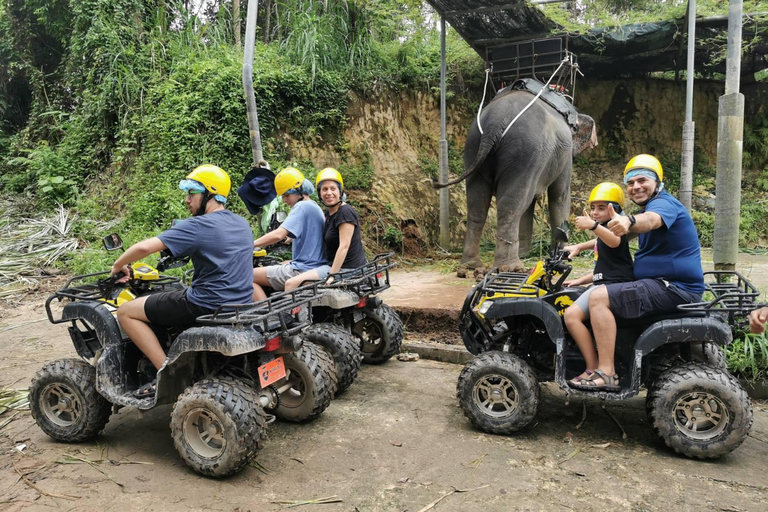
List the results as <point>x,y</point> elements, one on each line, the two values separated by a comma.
<point>362,302</point>
<point>379,275</point>
<point>273,344</point>
<point>296,310</point>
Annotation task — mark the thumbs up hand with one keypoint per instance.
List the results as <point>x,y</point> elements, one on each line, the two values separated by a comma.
<point>619,224</point>
<point>584,221</point>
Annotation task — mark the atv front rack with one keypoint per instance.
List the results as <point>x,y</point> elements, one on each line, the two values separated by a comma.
<point>287,312</point>
<point>732,294</point>
<point>87,287</point>
<point>507,283</point>
<point>370,279</point>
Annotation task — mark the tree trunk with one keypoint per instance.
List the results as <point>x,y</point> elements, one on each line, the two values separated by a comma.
<point>236,21</point>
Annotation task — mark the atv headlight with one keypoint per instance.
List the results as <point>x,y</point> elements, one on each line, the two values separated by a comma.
<point>484,307</point>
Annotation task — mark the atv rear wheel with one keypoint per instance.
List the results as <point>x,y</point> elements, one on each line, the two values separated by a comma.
<point>708,353</point>
<point>498,392</point>
<point>700,411</point>
<point>64,401</point>
<point>380,334</point>
<point>312,379</point>
<point>341,346</point>
<point>217,426</point>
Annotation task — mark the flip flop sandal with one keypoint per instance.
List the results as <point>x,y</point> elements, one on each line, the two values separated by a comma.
<point>609,383</point>
<point>147,390</point>
<point>579,380</point>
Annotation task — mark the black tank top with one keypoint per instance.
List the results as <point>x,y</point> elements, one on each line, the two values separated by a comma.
<point>613,265</point>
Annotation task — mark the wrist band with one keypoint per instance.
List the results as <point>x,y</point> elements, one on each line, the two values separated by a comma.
<point>632,220</point>
<point>597,223</point>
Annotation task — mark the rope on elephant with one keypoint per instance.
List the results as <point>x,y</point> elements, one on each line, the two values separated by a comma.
<point>567,59</point>
<point>482,102</point>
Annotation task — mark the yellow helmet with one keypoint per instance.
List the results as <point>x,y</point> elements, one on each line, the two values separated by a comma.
<point>329,173</point>
<point>213,178</point>
<point>287,179</point>
<point>647,162</point>
<point>609,192</point>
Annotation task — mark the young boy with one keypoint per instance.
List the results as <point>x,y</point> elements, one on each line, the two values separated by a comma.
<point>613,264</point>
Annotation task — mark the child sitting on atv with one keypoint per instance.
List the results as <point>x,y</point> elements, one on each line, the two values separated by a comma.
<point>613,264</point>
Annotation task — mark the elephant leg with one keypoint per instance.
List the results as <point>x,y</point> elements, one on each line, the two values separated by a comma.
<point>559,196</point>
<point>509,212</point>
<point>526,229</point>
<point>479,193</point>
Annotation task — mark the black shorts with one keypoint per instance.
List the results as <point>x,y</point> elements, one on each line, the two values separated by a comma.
<point>637,299</point>
<point>172,309</point>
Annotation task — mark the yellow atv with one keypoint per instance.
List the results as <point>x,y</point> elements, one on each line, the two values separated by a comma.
<point>513,323</point>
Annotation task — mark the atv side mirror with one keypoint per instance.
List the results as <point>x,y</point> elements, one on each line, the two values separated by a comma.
<point>560,235</point>
<point>112,242</point>
<point>280,216</point>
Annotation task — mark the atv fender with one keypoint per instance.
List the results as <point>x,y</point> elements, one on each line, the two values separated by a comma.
<point>504,308</point>
<point>99,318</point>
<point>683,330</point>
<point>337,299</point>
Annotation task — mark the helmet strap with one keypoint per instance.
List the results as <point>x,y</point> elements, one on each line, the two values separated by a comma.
<point>203,204</point>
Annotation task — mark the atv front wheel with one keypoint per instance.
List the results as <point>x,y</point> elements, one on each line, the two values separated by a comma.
<point>380,333</point>
<point>498,392</point>
<point>64,401</point>
<point>311,381</point>
<point>700,411</point>
<point>341,346</point>
<point>217,426</point>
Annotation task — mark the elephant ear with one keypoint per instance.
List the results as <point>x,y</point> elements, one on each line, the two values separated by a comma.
<point>585,136</point>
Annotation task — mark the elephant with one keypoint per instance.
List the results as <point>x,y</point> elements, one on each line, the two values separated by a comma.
<point>534,156</point>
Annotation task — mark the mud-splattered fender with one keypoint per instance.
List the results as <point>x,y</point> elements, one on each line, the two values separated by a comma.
<point>504,308</point>
<point>337,299</point>
<point>99,318</point>
<point>683,330</point>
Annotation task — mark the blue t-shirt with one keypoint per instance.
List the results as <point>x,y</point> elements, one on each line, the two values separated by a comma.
<point>671,252</point>
<point>220,245</point>
<point>305,224</point>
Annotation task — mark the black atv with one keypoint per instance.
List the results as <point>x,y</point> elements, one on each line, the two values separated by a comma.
<point>350,321</point>
<point>223,375</point>
<point>513,323</point>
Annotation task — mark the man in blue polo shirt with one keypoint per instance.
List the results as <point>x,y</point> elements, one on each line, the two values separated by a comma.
<point>667,264</point>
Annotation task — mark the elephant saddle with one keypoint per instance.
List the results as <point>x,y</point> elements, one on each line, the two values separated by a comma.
<point>553,98</point>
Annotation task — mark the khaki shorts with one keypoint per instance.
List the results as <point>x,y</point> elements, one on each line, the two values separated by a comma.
<point>279,274</point>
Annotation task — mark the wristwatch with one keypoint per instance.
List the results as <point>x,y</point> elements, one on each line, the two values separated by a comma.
<point>632,220</point>
<point>597,223</point>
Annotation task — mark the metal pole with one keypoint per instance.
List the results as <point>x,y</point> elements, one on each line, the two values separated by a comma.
<point>730,135</point>
<point>250,98</point>
<point>689,127</point>
<point>445,234</point>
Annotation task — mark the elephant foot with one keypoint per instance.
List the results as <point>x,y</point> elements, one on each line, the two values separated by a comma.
<point>461,272</point>
<point>516,267</point>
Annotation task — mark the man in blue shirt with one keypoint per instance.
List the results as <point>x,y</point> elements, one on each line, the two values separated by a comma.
<point>667,264</point>
<point>220,245</point>
<point>304,225</point>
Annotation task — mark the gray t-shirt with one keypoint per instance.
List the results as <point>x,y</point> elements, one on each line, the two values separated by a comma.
<point>220,245</point>
<point>305,224</point>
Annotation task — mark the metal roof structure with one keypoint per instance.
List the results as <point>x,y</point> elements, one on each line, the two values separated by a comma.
<point>498,27</point>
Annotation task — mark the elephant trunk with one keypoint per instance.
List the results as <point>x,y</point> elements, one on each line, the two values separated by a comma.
<point>487,143</point>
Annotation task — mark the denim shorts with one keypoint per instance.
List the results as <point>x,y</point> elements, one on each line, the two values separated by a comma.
<point>637,299</point>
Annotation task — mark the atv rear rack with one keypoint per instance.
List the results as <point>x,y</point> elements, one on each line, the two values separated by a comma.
<point>732,294</point>
<point>284,311</point>
<point>370,279</point>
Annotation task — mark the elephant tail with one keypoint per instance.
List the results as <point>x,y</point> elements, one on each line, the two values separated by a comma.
<point>487,143</point>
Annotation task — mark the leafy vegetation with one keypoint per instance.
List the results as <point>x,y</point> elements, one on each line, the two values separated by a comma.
<point>748,357</point>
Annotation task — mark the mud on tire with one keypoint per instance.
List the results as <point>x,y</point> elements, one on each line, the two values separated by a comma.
<point>341,346</point>
<point>312,376</point>
<point>217,426</point>
<point>709,353</point>
<point>700,411</point>
<point>498,392</point>
<point>380,333</point>
<point>64,401</point>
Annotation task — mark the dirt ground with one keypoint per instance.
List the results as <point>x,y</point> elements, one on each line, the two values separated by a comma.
<point>396,441</point>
